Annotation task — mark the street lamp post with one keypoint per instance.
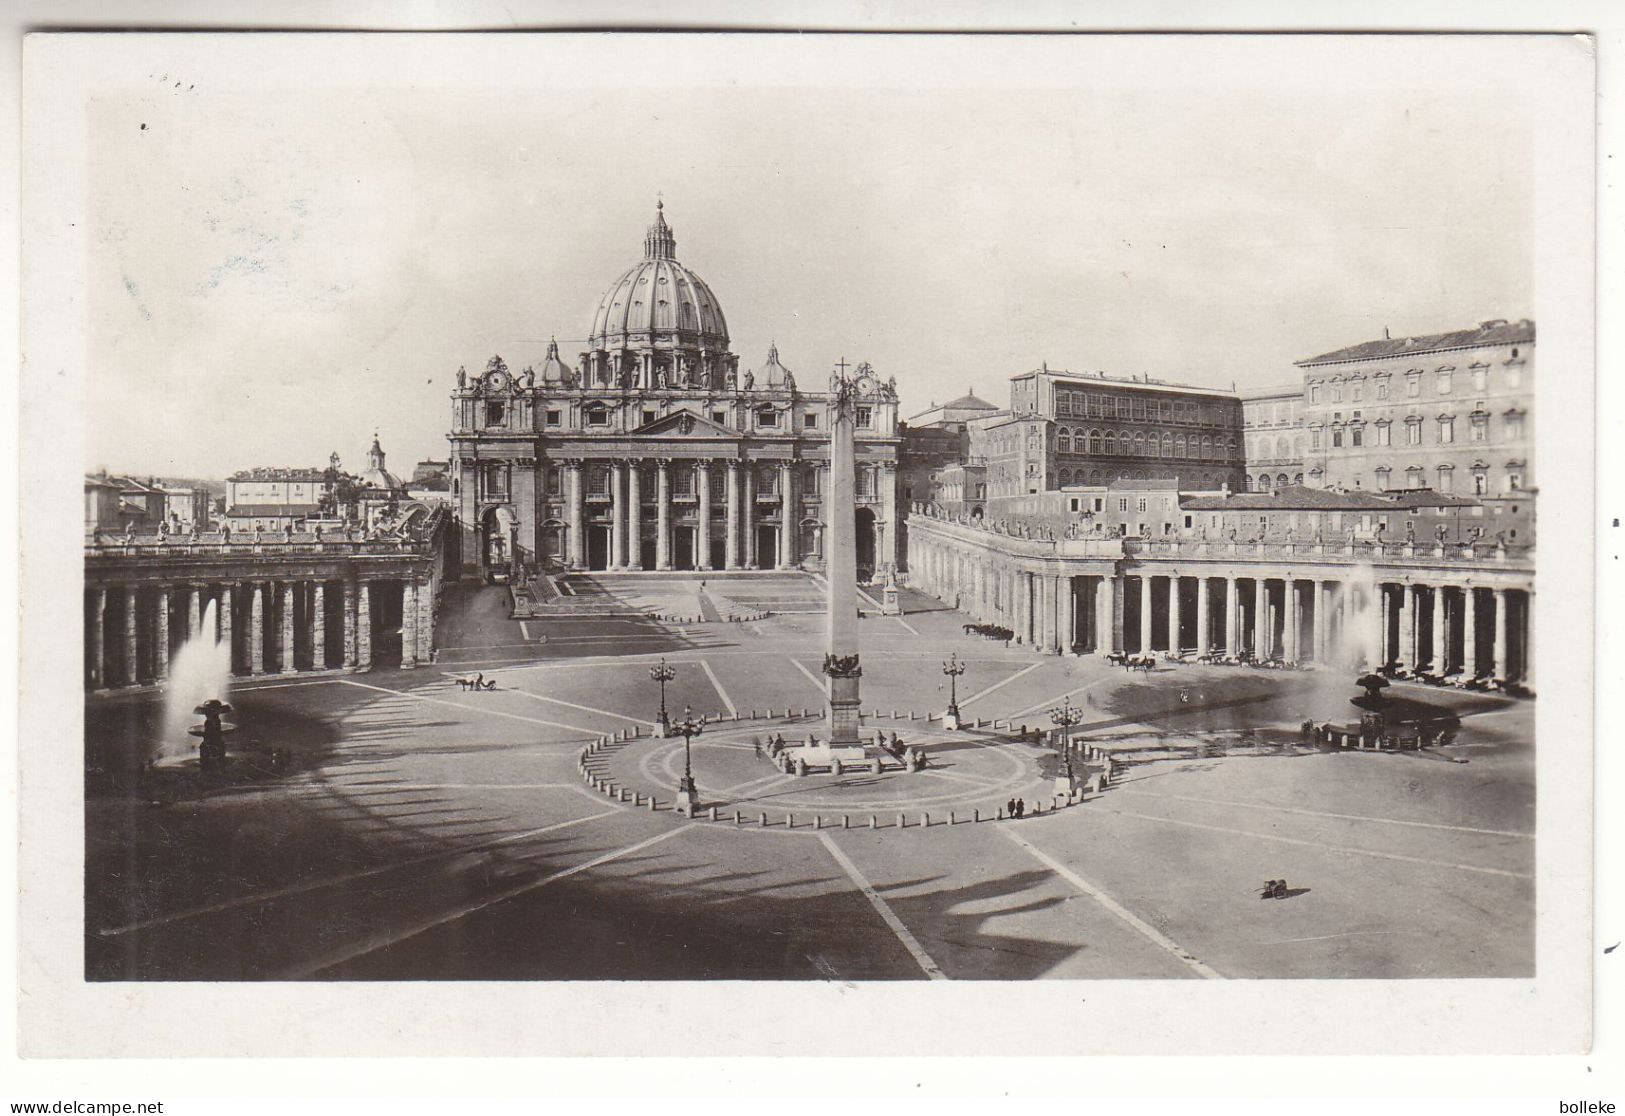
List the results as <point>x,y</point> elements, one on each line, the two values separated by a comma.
<point>1065,717</point>
<point>688,797</point>
<point>953,668</point>
<point>663,674</point>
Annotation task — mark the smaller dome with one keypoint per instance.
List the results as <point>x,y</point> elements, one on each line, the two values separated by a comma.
<point>555,371</point>
<point>375,475</point>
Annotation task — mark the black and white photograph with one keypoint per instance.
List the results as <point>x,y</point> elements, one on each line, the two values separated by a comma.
<point>770,515</point>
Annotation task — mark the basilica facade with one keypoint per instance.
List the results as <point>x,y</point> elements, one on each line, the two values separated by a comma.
<point>656,452</point>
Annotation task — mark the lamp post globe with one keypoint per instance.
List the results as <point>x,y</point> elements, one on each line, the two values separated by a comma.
<point>1064,718</point>
<point>663,674</point>
<point>953,668</point>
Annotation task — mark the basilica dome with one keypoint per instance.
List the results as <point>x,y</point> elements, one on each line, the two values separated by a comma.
<point>659,298</point>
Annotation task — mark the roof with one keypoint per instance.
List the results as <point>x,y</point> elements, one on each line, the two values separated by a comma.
<point>1100,379</point>
<point>970,401</point>
<point>1276,392</point>
<point>1427,498</point>
<point>1292,497</point>
<point>99,482</point>
<point>1495,332</point>
<point>1139,484</point>
<point>277,473</point>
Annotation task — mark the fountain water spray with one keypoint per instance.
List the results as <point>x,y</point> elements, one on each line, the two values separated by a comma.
<point>201,671</point>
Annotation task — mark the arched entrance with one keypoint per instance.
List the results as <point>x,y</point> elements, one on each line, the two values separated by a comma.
<point>866,544</point>
<point>499,530</point>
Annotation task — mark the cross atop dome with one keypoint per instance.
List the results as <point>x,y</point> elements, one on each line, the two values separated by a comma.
<point>658,242</point>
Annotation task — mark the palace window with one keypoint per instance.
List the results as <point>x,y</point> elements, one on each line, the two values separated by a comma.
<point>1382,434</point>
<point>1413,477</point>
<point>809,421</point>
<point>1481,480</point>
<point>1513,424</point>
<point>1314,439</point>
<point>1481,378</point>
<point>1447,479</point>
<point>1337,439</point>
<point>648,415</point>
<point>1382,388</point>
<point>1447,430</point>
<point>1141,504</point>
<point>1413,431</point>
<point>682,480</point>
<point>554,418</point>
<point>496,414</point>
<point>1413,384</point>
<point>598,480</point>
<point>1382,478</point>
<point>1122,503</point>
<point>1514,480</point>
<point>1063,442</point>
<point>1444,381</point>
<point>1480,426</point>
<point>767,417</point>
<point>1514,373</point>
<point>865,417</point>
<point>598,415</point>
<point>1314,393</point>
<point>1356,392</point>
<point>1337,393</point>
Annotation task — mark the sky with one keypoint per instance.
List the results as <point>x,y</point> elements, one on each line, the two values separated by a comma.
<point>281,265</point>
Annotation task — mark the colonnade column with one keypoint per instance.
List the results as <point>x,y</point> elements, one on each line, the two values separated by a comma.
<point>1261,617</point>
<point>226,623</point>
<point>1440,623</point>
<point>286,665</point>
<point>131,646</point>
<point>409,623</point>
<point>98,639</point>
<point>1203,619</point>
<point>787,517</point>
<point>663,515</point>
<point>194,614</point>
<point>731,556</point>
<point>1105,599</point>
<point>1379,621</point>
<point>349,625</point>
<point>1323,604</point>
<point>256,630</point>
<point>363,627</point>
<point>1469,632</point>
<point>160,648</point>
<point>425,622</point>
<point>1173,614</point>
<point>634,515</point>
<point>1145,613</point>
<point>1232,613</point>
<point>1289,620</point>
<point>1498,669</point>
<point>318,627</point>
<point>578,519</point>
<point>1067,602</point>
<point>1409,629</point>
<point>702,489</point>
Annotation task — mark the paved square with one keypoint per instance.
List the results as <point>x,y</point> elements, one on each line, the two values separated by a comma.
<point>427,832</point>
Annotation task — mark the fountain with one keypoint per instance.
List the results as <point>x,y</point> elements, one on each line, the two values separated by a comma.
<point>211,753</point>
<point>200,674</point>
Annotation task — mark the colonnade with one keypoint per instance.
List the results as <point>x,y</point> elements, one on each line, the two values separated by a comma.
<point>1350,619</point>
<point>135,629</point>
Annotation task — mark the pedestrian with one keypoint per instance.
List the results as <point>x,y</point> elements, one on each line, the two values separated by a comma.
<point>1010,807</point>
<point>1021,807</point>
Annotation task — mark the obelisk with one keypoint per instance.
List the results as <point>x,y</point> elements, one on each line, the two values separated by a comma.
<point>841,566</point>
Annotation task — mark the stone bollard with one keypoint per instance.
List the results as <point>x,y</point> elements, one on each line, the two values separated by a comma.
<point>844,822</point>
<point>902,822</point>
<point>1023,732</point>
<point>637,799</point>
<point>873,823</point>
<point>835,767</point>
<point>713,813</point>
<point>789,821</point>
<point>976,815</point>
<point>762,820</point>
<point>737,819</point>
<point>653,804</point>
<point>952,817</point>
<point>818,821</point>
<point>925,821</point>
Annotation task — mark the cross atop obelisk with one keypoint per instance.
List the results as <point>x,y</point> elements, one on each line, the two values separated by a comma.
<point>841,655</point>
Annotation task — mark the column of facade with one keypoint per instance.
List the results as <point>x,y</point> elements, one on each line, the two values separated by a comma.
<point>617,515</point>
<point>131,646</point>
<point>286,665</point>
<point>1069,614</point>
<point>1379,637</point>
<point>1528,678</point>
<point>194,613</point>
<point>1498,669</point>
<point>98,629</point>
<point>1409,629</point>
<point>787,516</point>
<point>1441,625</point>
<point>578,519</point>
<point>1261,617</point>
<point>731,556</point>
<point>1232,611</point>
<point>160,639</point>
<point>1173,614</point>
<point>363,627</point>
<point>748,525</point>
<point>349,625</point>
<point>318,626</point>
<point>1109,641</point>
<point>256,630</point>
<point>409,625</point>
<point>1289,620</point>
<point>663,515</point>
<point>1145,613</point>
<point>1469,632</point>
<point>1203,619</point>
<point>702,488</point>
<point>634,516</point>
<point>226,625</point>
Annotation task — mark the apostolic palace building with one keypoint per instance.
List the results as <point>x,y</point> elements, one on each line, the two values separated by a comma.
<point>656,452</point>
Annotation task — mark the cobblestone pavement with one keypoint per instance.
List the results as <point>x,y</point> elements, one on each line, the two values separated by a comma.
<point>427,832</point>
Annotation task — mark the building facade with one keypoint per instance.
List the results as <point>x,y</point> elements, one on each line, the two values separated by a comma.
<point>1063,429</point>
<point>658,453</point>
<point>270,499</point>
<point>1447,411</point>
<point>1274,437</point>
